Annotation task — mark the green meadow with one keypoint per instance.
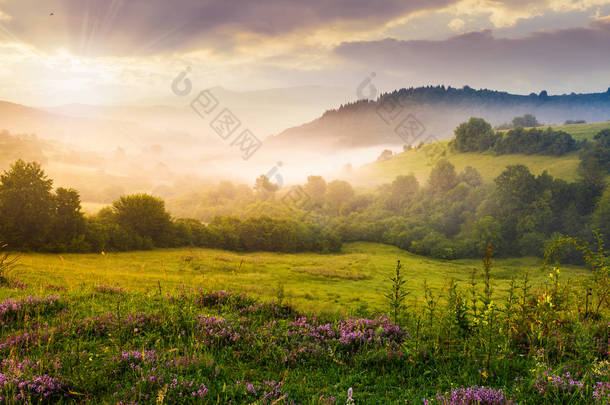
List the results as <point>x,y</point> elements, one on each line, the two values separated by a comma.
<point>354,280</point>
<point>583,131</point>
<point>420,161</point>
<point>155,327</point>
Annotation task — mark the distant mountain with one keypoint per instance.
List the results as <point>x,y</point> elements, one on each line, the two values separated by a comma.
<point>85,132</point>
<point>264,112</point>
<point>426,114</point>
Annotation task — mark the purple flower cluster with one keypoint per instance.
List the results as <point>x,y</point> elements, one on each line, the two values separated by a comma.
<point>26,381</point>
<point>150,384</point>
<point>601,392</point>
<point>471,396</point>
<point>24,339</point>
<point>133,324</point>
<point>11,309</point>
<point>216,331</point>
<point>378,331</point>
<point>565,383</point>
<point>267,393</point>
<point>15,284</point>
<point>181,296</point>
<point>304,338</point>
<point>108,289</point>
<point>149,356</point>
<point>152,375</point>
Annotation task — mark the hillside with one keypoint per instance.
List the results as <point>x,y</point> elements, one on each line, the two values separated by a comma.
<point>84,132</point>
<point>420,161</point>
<point>436,111</point>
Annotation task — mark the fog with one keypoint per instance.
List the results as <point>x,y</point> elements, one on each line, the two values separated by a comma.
<point>106,151</point>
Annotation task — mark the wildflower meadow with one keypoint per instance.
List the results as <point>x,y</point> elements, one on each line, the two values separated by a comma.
<point>467,344</point>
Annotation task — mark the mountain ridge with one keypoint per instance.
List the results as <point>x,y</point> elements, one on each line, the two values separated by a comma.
<point>438,110</point>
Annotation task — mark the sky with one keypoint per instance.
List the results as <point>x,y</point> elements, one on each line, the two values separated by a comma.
<point>129,51</point>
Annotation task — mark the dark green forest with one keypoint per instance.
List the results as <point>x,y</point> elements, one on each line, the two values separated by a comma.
<point>467,96</point>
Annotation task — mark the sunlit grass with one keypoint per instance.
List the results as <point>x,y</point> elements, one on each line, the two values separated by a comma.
<point>355,279</point>
<point>420,161</point>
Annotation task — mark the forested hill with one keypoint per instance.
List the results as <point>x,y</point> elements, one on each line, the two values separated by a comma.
<point>426,114</point>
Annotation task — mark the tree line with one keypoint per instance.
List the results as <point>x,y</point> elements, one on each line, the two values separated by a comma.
<point>34,217</point>
<point>451,215</point>
<point>477,135</point>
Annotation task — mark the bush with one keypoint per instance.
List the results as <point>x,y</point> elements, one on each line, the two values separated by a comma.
<point>535,141</point>
<point>476,135</point>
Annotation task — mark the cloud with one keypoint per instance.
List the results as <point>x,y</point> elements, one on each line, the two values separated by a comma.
<point>457,24</point>
<point>275,43</point>
<point>602,23</point>
<point>506,13</point>
<point>232,28</point>
<point>545,58</point>
<point>122,27</point>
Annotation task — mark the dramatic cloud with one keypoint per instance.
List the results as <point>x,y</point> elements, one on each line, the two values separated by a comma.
<point>457,24</point>
<point>120,27</point>
<point>128,27</point>
<point>128,50</point>
<point>506,13</point>
<point>478,58</point>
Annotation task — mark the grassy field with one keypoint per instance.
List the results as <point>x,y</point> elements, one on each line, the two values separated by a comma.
<point>120,329</point>
<point>420,161</point>
<point>353,280</point>
<point>583,131</point>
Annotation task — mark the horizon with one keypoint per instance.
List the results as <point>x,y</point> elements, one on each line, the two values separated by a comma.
<point>272,89</point>
<point>117,53</point>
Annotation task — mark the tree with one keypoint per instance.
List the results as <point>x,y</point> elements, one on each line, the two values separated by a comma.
<point>385,155</point>
<point>593,178</point>
<point>315,188</point>
<point>26,205</point>
<point>471,176</point>
<point>403,188</point>
<point>338,193</point>
<point>264,188</point>
<point>473,136</point>
<point>443,177</point>
<point>226,190</point>
<point>525,121</point>
<point>144,215</point>
<point>69,221</point>
<point>516,184</point>
<point>487,231</point>
<point>599,152</point>
<point>601,216</point>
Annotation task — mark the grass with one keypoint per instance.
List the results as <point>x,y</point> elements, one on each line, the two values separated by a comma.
<point>583,131</point>
<point>355,279</point>
<point>118,328</point>
<point>420,161</point>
